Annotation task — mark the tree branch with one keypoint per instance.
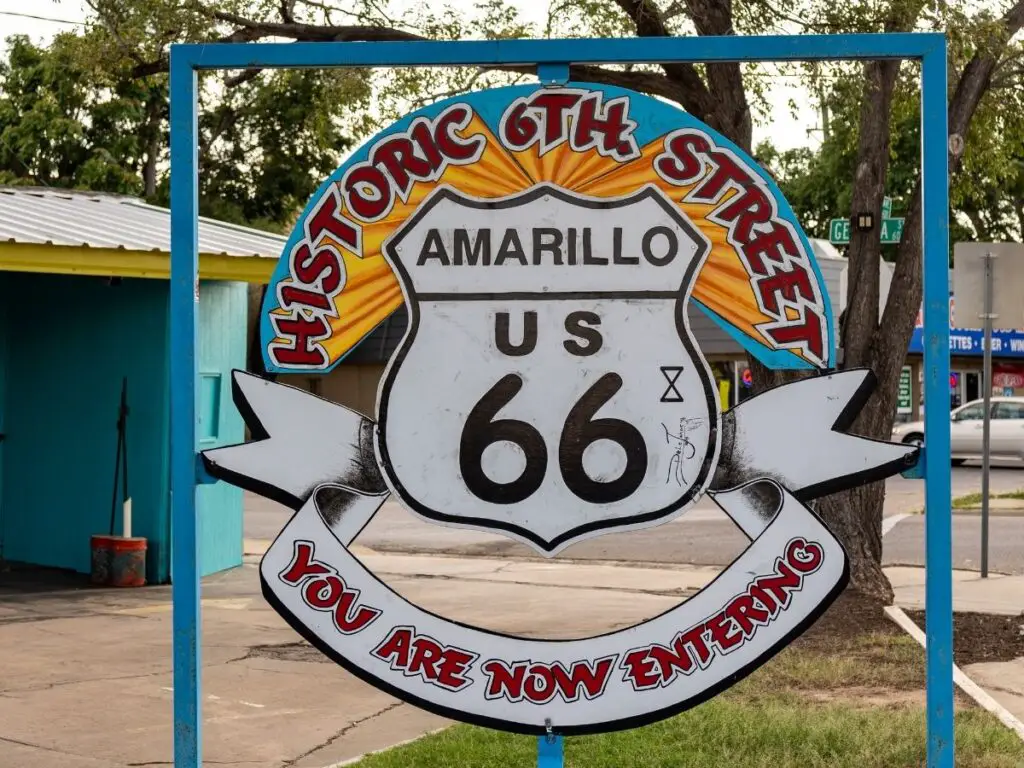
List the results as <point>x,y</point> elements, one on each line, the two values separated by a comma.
<point>731,114</point>
<point>249,30</point>
<point>695,96</point>
<point>898,316</point>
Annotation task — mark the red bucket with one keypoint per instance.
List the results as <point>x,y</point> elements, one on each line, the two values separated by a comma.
<point>118,562</point>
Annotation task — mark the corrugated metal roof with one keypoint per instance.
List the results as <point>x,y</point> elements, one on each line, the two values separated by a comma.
<point>75,218</point>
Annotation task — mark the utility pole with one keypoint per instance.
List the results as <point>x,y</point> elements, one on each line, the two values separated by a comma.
<point>986,431</point>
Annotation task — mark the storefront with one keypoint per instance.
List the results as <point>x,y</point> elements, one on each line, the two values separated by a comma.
<point>966,350</point>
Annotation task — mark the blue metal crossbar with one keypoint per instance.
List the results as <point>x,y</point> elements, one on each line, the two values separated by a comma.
<point>554,56</point>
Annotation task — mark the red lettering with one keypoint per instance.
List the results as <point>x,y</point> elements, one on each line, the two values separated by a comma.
<point>519,128</point>
<point>807,333</point>
<point>761,595</point>
<point>726,170</point>
<point>452,145</point>
<point>303,565</point>
<point>425,655</point>
<point>303,333</point>
<point>639,669</point>
<point>793,285</point>
<point>539,685</point>
<point>610,133</point>
<point>766,245</point>
<point>720,626</point>
<point>368,192</point>
<point>323,593</point>
<point>326,218</point>
<point>349,617</point>
<point>747,209</point>
<point>504,681</point>
<point>781,584</point>
<point>324,265</point>
<point>395,648</point>
<point>420,133</point>
<point>330,594</point>
<point>421,655</point>
<point>398,156</point>
<point>742,611</point>
<point>804,556</point>
<point>694,638</point>
<point>555,105</point>
<point>681,163</point>
<point>455,664</point>
<point>670,660</point>
<point>581,674</point>
<point>290,296</point>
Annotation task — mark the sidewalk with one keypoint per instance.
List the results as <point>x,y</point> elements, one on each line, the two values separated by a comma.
<point>87,673</point>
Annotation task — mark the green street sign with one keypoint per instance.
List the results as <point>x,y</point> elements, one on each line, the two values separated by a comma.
<point>839,231</point>
<point>904,396</point>
<point>892,230</point>
<point>890,233</point>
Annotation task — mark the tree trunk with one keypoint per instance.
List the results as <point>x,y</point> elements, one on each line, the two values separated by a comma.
<point>153,139</point>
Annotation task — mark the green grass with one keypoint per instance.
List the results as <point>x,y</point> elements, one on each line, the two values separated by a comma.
<point>972,500</point>
<point>782,732</point>
<point>847,708</point>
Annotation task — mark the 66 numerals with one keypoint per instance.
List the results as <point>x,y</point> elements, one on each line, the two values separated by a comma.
<point>579,431</point>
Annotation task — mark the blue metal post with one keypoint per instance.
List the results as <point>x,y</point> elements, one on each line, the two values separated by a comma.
<point>938,534</point>
<point>550,752</point>
<point>184,544</point>
<point>478,53</point>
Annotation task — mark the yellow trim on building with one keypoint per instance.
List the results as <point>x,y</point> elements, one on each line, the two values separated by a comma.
<point>117,262</point>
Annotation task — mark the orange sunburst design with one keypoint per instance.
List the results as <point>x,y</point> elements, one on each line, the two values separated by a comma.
<point>372,291</point>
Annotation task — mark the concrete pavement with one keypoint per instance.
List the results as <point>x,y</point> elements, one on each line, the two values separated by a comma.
<point>87,682</point>
<point>703,535</point>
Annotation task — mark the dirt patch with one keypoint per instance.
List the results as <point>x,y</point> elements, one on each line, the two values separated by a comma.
<point>869,697</point>
<point>850,617</point>
<point>981,637</point>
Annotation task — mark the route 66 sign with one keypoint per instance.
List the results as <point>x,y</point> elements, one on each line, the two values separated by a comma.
<point>549,244</point>
<point>607,323</point>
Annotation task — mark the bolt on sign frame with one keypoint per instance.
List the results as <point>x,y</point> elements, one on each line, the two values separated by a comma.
<point>552,58</point>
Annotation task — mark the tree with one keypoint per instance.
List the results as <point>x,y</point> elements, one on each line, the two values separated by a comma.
<point>78,114</point>
<point>723,95</point>
<point>986,197</point>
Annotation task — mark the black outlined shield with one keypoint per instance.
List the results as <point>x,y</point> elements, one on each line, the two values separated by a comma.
<point>548,385</point>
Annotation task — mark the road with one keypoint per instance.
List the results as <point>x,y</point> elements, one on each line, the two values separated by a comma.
<point>703,536</point>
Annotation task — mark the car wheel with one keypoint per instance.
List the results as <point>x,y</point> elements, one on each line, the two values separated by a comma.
<point>957,462</point>
<point>914,438</point>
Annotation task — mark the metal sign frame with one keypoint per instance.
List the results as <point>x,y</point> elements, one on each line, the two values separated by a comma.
<point>552,58</point>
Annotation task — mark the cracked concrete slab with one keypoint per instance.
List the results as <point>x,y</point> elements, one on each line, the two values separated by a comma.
<point>1003,681</point>
<point>665,579</point>
<point>87,682</point>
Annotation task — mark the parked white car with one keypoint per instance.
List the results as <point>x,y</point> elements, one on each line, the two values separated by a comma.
<point>1006,430</point>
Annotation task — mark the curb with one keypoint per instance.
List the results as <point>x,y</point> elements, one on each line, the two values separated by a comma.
<point>992,511</point>
<point>963,682</point>
<point>358,758</point>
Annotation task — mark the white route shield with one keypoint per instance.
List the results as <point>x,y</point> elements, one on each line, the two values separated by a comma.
<point>548,386</point>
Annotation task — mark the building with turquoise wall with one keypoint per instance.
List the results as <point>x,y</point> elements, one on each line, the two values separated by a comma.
<point>84,304</point>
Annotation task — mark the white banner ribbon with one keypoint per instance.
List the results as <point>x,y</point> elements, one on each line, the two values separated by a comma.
<point>318,458</point>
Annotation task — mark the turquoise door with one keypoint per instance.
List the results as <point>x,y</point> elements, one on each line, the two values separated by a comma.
<point>223,308</point>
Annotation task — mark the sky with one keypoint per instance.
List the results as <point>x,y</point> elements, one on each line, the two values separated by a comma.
<point>784,130</point>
